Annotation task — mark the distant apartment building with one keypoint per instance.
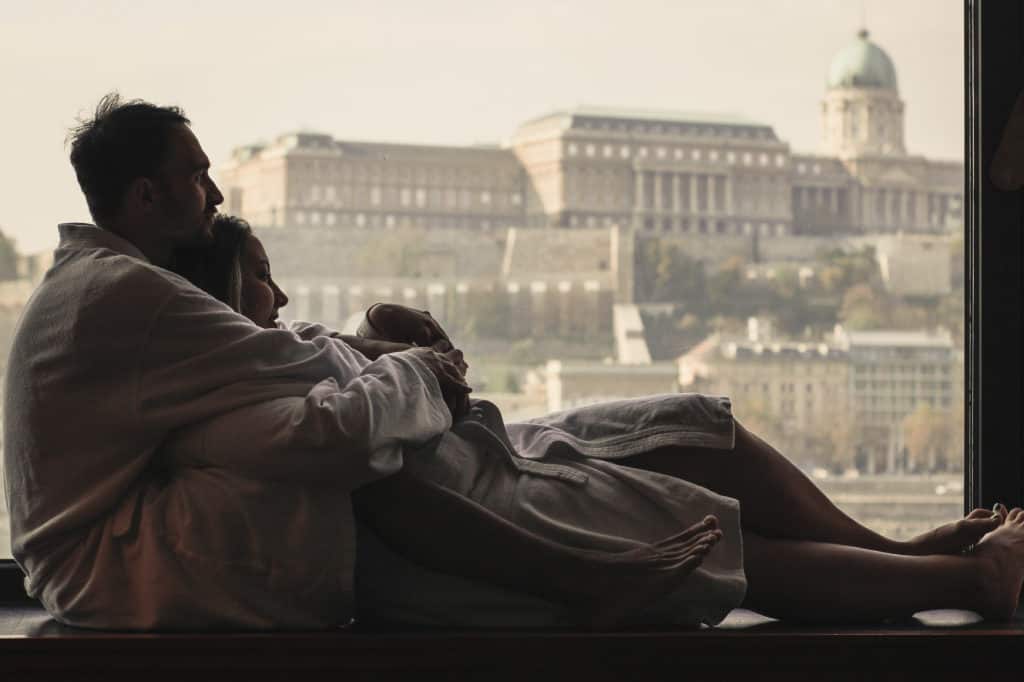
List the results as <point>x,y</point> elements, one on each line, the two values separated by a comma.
<point>658,172</point>
<point>892,373</point>
<point>866,382</point>
<point>575,383</point>
<point>798,386</point>
<point>629,373</point>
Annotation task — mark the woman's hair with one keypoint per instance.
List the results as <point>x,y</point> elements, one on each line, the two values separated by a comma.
<point>217,267</point>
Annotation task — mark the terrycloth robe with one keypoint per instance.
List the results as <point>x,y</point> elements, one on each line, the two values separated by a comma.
<point>555,477</point>
<point>111,357</point>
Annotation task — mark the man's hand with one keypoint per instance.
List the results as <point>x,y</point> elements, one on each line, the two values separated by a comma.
<point>453,387</point>
<point>453,354</point>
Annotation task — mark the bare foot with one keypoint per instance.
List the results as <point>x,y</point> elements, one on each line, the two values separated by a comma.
<point>637,579</point>
<point>1001,557</point>
<point>955,537</point>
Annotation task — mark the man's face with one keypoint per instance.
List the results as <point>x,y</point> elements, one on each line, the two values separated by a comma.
<point>186,197</point>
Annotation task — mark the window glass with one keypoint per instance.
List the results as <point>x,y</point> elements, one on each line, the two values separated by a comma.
<point>803,256</point>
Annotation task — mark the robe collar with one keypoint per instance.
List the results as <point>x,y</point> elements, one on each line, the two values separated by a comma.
<point>77,236</point>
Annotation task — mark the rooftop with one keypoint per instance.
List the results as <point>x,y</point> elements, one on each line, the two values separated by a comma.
<point>652,115</point>
<point>901,339</point>
<point>862,64</point>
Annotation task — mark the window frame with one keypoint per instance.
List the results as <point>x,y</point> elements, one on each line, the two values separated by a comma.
<point>993,45</point>
<point>993,260</point>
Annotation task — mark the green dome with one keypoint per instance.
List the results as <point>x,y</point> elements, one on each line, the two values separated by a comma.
<point>862,64</point>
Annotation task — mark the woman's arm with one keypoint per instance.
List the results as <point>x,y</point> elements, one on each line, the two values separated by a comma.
<point>441,530</point>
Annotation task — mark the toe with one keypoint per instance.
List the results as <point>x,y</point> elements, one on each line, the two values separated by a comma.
<point>971,526</point>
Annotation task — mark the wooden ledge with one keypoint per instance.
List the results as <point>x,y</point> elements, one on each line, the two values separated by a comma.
<point>936,645</point>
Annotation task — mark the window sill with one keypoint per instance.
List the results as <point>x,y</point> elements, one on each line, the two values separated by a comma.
<point>935,645</point>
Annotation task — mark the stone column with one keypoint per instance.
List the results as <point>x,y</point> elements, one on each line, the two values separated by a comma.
<point>833,200</point>
<point>728,194</point>
<point>693,194</point>
<point>657,193</point>
<point>332,313</point>
<point>676,202</point>
<point>712,186</point>
<point>301,302</point>
<point>638,199</point>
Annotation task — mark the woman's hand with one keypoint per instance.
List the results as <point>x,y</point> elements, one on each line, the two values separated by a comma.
<point>393,322</point>
<point>398,324</point>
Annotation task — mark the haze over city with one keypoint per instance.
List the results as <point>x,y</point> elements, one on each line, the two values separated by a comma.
<point>441,72</point>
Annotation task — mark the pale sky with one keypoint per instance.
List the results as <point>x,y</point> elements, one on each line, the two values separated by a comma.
<point>439,71</point>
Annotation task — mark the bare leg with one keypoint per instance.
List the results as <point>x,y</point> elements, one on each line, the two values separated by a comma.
<point>778,500</point>
<point>819,582</point>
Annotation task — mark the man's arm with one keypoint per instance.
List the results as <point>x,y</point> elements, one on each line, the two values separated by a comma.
<point>373,348</point>
<point>204,363</point>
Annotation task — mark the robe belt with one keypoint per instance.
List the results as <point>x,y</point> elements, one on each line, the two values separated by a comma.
<point>484,425</point>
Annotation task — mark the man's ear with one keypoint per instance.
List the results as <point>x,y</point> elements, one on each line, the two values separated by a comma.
<point>142,194</point>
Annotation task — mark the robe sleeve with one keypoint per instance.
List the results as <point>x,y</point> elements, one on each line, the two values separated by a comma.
<point>205,363</point>
<point>310,330</point>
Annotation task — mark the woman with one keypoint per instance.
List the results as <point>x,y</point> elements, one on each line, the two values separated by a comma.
<point>552,477</point>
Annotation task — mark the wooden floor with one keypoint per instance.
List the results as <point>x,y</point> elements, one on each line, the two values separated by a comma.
<point>935,645</point>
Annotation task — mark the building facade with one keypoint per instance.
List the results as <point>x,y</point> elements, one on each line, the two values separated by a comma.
<point>854,388</point>
<point>655,171</point>
<point>510,284</point>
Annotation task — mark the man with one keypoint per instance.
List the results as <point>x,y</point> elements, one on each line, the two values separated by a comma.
<point>114,353</point>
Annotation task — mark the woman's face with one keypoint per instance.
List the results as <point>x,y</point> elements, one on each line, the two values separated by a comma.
<point>261,296</point>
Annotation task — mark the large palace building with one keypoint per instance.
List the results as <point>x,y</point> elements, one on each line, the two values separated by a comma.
<point>658,172</point>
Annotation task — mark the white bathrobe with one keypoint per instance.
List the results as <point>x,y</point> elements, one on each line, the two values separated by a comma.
<point>114,355</point>
<point>554,476</point>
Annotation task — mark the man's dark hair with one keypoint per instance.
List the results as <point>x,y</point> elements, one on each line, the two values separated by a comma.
<point>123,141</point>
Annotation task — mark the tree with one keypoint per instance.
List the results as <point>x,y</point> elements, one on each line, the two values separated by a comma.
<point>928,435</point>
<point>831,439</point>
<point>865,307</point>
<point>8,258</point>
<point>666,274</point>
<point>723,287</point>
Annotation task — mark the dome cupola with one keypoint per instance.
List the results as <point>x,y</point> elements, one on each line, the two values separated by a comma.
<point>861,64</point>
<point>862,113</point>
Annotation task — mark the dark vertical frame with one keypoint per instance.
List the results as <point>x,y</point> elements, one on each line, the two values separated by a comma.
<point>993,61</point>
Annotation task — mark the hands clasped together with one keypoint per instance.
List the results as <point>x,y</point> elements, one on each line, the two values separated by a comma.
<point>429,342</point>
